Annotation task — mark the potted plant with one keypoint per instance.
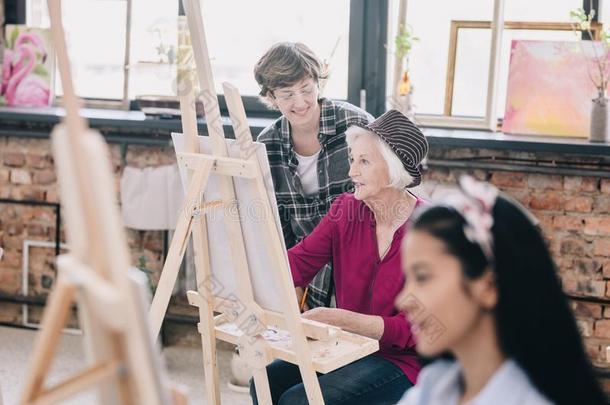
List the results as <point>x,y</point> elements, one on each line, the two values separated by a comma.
<point>598,68</point>
<point>401,98</point>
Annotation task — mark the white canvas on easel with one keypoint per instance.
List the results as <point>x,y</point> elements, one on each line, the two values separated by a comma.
<point>250,217</point>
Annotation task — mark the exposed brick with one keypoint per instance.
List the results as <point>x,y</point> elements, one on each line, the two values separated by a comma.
<point>10,281</point>
<point>20,176</point>
<point>568,223</point>
<point>36,161</point>
<point>602,328</point>
<point>153,241</point>
<point>597,226</point>
<point>523,196</point>
<point>145,156</point>
<point>544,182</point>
<point>583,286</point>
<point>28,213</point>
<point>44,177</point>
<point>584,184</point>
<point>52,196</point>
<point>586,309</point>
<point>601,247</point>
<point>585,326</point>
<point>572,246</point>
<point>589,184</point>
<point>45,215</point>
<point>549,201</point>
<point>509,179</point>
<point>579,204</point>
<point>13,228</point>
<point>592,288</point>
<point>14,159</point>
<point>37,230</point>
<point>606,268</point>
<point>601,204</point>
<point>593,348</point>
<point>606,311</point>
<point>5,175</point>
<point>14,243</point>
<point>546,222</point>
<point>11,259</point>
<point>10,313</point>
<point>437,174</point>
<point>605,186</point>
<point>587,267</point>
<point>572,183</point>
<point>29,193</point>
<point>567,263</point>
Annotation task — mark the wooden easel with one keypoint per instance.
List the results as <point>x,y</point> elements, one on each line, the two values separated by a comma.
<point>242,320</point>
<point>95,275</point>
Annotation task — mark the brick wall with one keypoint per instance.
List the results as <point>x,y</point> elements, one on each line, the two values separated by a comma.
<point>27,173</point>
<point>574,212</point>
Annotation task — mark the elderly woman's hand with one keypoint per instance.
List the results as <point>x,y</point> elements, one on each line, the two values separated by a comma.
<point>330,316</point>
<point>366,325</point>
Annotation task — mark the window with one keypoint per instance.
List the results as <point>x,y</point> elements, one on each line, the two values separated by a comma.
<point>472,94</point>
<point>153,48</point>
<point>238,33</point>
<point>95,31</point>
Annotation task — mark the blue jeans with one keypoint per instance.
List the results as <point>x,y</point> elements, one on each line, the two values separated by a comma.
<point>371,380</point>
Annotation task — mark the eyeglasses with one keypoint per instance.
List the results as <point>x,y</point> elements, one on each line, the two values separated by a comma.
<point>290,96</point>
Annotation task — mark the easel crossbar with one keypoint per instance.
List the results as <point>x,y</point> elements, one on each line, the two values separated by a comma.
<point>220,165</point>
<point>80,382</point>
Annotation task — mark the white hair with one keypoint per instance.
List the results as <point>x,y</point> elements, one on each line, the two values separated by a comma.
<point>399,177</point>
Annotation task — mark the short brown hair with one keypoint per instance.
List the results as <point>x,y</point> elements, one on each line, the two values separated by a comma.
<point>285,64</point>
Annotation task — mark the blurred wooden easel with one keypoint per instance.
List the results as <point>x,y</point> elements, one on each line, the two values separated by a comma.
<point>123,363</point>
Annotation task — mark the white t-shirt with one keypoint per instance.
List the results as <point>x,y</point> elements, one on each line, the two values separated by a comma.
<point>438,384</point>
<point>308,173</point>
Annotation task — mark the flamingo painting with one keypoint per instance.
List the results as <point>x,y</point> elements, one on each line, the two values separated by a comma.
<point>24,89</point>
<point>23,62</point>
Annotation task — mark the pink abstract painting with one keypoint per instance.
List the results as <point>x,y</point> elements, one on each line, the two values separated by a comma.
<point>27,68</point>
<point>549,89</point>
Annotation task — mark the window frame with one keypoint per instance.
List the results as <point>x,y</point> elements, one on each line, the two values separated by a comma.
<point>490,121</point>
<point>366,70</point>
<point>456,25</point>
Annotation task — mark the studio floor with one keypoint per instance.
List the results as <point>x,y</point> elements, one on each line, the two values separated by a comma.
<point>184,364</point>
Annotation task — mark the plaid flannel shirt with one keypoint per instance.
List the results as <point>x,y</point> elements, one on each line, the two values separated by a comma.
<point>299,213</point>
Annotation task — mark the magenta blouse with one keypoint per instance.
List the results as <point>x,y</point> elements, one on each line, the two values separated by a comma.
<point>363,283</point>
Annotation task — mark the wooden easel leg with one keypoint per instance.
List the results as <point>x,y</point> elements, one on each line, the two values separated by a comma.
<point>255,352</point>
<point>178,246</point>
<point>263,392</point>
<point>54,319</point>
<point>206,311</point>
<point>311,383</point>
<point>293,318</point>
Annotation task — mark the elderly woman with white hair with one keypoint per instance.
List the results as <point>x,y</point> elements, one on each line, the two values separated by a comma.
<point>361,235</point>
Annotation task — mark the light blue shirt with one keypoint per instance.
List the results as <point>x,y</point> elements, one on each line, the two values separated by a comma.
<point>439,383</point>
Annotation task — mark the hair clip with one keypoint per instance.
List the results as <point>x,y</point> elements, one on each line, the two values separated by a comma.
<point>475,203</point>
